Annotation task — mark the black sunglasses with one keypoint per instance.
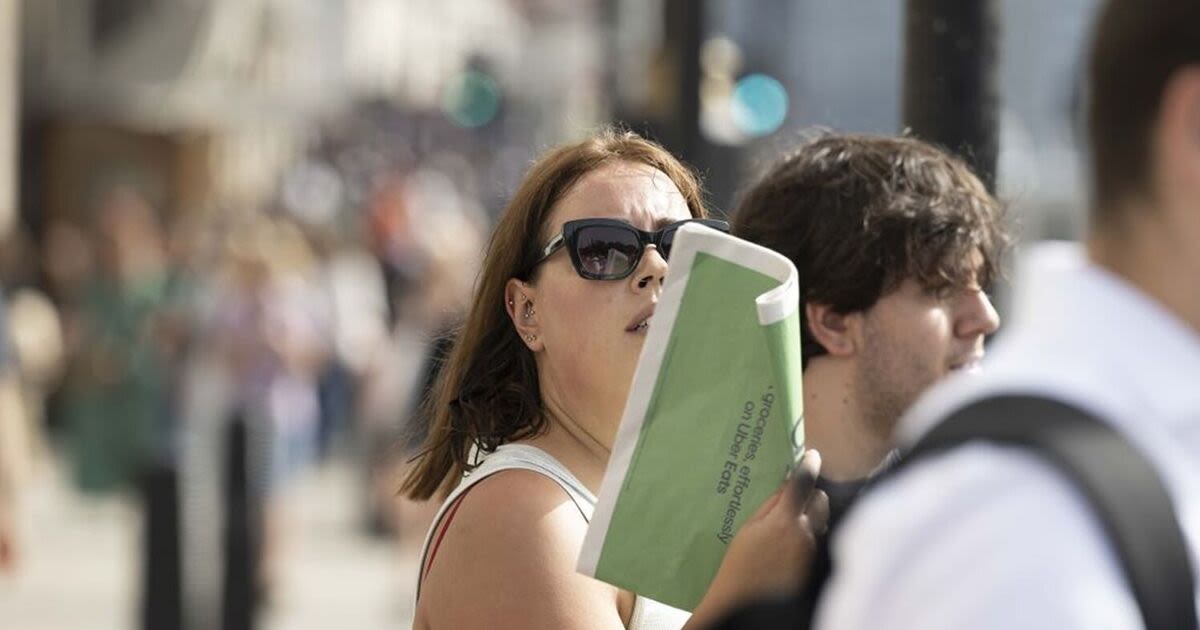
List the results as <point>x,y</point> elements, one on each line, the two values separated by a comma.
<point>608,249</point>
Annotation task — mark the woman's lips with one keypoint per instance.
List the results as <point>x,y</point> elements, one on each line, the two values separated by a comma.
<point>641,322</point>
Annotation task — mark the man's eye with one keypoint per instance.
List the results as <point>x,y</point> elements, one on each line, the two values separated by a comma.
<point>943,292</point>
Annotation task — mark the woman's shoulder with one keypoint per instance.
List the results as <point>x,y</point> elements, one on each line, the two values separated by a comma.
<point>511,514</point>
<point>512,500</point>
<point>514,540</point>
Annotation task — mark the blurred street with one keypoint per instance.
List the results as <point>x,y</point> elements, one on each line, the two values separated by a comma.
<point>81,570</point>
<point>237,238</point>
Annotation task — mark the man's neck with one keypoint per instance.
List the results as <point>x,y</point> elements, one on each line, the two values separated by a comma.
<point>1156,259</point>
<point>834,424</point>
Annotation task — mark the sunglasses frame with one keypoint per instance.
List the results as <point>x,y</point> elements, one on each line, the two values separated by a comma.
<point>569,238</point>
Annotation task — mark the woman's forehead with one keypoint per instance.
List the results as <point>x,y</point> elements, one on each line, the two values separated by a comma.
<point>638,193</point>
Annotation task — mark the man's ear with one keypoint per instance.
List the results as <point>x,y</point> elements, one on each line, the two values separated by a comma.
<point>836,332</point>
<point>520,304</point>
<point>1177,134</point>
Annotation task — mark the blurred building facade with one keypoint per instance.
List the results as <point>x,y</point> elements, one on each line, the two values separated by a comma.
<point>207,103</point>
<point>203,103</point>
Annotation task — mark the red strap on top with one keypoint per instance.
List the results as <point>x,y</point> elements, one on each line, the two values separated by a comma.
<point>443,526</point>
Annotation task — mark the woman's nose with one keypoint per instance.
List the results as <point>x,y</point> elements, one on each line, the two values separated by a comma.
<point>651,270</point>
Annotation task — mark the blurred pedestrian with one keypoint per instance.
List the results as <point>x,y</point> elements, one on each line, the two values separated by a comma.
<point>116,394</point>
<point>262,342</point>
<point>14,445</point>
<point>31,352</point>
<point>449,240</point>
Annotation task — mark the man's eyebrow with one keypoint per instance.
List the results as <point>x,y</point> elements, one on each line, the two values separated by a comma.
<point>664,222</point>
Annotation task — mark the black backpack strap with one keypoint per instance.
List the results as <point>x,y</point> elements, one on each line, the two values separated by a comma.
<point>1123,488</point>
<point>1121,485</point>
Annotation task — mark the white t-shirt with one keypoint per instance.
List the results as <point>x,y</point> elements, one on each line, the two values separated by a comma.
<point>992,537</point>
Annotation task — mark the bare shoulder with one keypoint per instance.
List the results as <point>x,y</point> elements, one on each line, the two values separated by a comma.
<point>513,513</point>
<point>508,560</point>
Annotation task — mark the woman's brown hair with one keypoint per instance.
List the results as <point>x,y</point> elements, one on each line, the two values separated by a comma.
<point>487,392</point>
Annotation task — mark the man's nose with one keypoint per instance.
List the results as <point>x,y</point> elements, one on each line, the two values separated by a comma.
<point>979,316</point>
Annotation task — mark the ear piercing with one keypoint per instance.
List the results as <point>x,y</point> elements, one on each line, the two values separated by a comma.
<point>530,338</point>
<point>529,312</point>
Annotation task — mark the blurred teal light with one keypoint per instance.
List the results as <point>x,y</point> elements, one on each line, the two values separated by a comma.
<point>760,104</point>
<point>472,99</point>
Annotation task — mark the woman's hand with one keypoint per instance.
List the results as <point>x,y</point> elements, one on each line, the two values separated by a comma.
<point>770,554</point>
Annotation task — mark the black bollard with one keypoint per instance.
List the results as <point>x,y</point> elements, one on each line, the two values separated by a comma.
<point>951,85</point>
<point>162,604</point>
<point>242,532</point>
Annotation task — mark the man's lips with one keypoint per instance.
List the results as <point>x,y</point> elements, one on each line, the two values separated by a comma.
<point>969,364</point>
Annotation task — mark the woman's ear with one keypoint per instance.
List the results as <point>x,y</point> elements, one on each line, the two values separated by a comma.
<point>519,303</point>
<point>835,331</point>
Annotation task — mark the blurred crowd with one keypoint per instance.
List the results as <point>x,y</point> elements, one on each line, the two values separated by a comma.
<point>129,335</point>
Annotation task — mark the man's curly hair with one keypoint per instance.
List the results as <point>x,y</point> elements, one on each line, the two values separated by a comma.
<point>858,214</point>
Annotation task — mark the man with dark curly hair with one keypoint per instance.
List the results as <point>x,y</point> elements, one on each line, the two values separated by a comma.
<point>895,242</point>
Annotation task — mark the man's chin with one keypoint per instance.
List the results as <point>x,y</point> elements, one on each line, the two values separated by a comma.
<point>970,367</point>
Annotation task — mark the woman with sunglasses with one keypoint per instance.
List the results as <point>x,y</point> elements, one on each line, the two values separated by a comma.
<point>528,403</point>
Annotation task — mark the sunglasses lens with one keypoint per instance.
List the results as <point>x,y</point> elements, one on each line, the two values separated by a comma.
<point>667,240</point>
<point>607,251</point>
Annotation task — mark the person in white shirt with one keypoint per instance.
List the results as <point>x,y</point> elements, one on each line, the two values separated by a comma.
<point>986,536</point>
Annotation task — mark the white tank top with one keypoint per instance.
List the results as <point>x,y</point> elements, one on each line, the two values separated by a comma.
<point>647,613</point>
